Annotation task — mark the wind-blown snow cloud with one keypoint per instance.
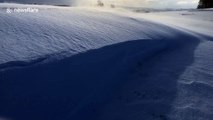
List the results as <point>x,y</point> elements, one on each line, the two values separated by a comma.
<point>146,3</point>
<point>170,3</point>
<point>138,3</point>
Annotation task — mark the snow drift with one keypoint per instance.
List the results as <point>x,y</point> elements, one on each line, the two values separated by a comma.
<point>81,63</point>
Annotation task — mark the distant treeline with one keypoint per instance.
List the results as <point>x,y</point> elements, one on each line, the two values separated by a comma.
<point>205,4</point>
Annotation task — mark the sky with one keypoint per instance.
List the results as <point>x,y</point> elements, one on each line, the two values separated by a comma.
<point>131,3</point>
<point>169,3</point>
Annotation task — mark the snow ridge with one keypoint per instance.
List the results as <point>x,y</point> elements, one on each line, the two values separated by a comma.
<point>81,63</point>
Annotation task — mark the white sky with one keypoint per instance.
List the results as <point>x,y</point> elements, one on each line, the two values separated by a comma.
<point>147,3</point>
<point>172,3</point>
<point>139,3</point>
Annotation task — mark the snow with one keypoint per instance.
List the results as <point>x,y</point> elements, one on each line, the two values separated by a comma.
<point>199,21</point>
<point>75,63</point>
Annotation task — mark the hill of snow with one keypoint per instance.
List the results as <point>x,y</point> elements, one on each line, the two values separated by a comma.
<point>72,63</point>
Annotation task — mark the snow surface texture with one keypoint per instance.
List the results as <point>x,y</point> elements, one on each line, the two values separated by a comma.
<point>93,64</point>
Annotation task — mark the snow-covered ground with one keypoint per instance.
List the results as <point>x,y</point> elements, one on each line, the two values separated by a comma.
<point>72,63</point>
